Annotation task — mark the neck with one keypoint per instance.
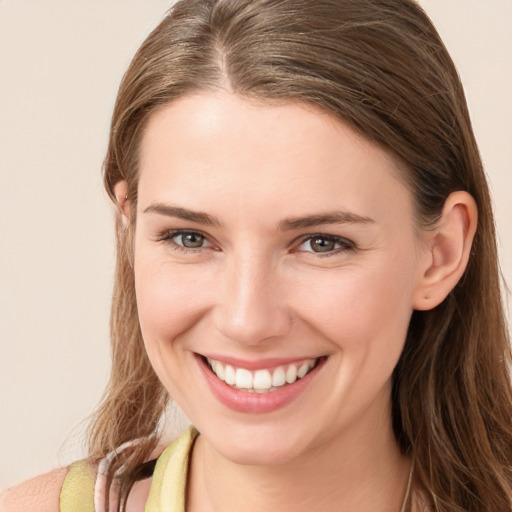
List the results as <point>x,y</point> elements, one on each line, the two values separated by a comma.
<point>358,469</point>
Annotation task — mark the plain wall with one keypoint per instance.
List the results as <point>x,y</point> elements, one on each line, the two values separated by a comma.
<point>60,65</point>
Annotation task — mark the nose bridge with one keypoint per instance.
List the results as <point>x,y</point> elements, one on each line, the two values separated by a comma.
<point>250,305</point>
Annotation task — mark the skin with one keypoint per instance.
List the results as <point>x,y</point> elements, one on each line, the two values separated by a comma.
<point>40,493</point>
<point>253,290</point>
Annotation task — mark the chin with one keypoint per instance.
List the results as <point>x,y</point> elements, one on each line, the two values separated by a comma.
<point>260,455</point>
<point>258,445</point>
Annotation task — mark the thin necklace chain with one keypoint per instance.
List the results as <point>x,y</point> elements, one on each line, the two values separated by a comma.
<point>408,489</point>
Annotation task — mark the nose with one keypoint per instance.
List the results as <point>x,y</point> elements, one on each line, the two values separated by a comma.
<point>251,306</point>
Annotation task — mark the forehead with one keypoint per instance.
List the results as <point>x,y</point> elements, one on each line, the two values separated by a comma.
<point>214,145</point>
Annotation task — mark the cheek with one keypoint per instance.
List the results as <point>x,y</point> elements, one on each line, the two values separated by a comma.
<point>365,317</point>
<point>363,311</point>
<point>169,300</point>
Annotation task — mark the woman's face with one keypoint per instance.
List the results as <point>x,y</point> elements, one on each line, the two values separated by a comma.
<point>273,240</point>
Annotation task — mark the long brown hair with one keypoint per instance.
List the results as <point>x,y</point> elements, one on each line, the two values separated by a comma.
<point>380,66</point>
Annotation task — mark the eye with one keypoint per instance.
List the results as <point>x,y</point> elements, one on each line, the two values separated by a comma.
<point>183,240</point>
<point>325,244</point>
<point>189,239</point>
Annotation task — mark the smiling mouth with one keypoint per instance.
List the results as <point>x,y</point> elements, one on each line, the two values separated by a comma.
<point>263,380</point>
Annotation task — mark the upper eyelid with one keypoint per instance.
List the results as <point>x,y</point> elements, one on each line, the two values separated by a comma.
<point>304,238</point>
<point>171,233</point>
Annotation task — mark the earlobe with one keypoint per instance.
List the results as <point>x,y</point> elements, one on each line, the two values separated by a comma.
<point>123,203</point>
<point>447,251</point>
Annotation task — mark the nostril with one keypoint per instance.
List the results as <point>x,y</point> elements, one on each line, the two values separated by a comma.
<point>250,307</point>
<point>253,322</point>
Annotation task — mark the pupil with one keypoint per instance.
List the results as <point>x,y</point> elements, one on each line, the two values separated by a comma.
<point>192,240</point>
<point>322,244</point>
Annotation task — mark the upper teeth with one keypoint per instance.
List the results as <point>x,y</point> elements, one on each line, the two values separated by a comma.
<point>261,380</point>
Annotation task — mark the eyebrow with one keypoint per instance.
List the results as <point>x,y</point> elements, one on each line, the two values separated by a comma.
<point>337,217</point>
<point>183,213</point>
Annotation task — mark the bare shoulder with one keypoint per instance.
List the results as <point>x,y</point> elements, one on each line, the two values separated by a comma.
<point>40,493</point>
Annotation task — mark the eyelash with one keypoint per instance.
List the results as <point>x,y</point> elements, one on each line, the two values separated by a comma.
<point>344,244</point>
<point>168,236</point>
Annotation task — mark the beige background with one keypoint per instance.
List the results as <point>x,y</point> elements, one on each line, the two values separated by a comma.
<point>60,64</point>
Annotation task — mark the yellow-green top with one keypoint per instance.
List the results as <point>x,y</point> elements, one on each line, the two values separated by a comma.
<point>168,486</point>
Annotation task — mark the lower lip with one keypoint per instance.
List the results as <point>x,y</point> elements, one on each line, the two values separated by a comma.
<point>255,403</point>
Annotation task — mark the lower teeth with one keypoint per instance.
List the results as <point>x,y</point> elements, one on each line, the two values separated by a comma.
<point>260,391</point>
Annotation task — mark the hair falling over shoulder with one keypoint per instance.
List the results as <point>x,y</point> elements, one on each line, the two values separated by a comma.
<point>380,66</point>
<point>134,400</point>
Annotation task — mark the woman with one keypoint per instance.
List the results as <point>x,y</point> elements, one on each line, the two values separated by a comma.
<point>305,243</point>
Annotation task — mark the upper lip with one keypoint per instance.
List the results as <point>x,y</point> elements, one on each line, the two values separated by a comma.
<point>258,364</point>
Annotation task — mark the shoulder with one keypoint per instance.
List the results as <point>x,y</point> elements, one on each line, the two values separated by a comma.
<point>40,493</point>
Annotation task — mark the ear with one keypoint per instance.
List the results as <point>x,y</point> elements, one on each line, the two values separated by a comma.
<point>446,252</point>
<point>123,203</point>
